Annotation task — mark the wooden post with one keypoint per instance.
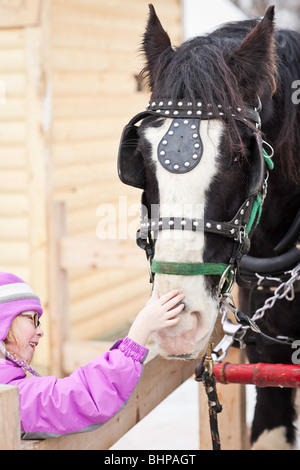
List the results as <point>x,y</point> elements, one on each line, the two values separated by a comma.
<point>35,146</point>
<point>58,289</point>
<point>9,418</point>
<point>232,419</point>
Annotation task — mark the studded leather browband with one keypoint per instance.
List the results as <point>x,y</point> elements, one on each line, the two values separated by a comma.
<point>200,110</point>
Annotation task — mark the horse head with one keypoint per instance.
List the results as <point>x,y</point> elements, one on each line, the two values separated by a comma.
<point>198,156</point>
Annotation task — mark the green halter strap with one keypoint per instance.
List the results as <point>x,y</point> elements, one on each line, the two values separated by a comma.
<point>187,269</point>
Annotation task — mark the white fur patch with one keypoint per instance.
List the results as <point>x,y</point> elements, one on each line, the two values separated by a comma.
<point>272,440</point>
<point>183,195</point>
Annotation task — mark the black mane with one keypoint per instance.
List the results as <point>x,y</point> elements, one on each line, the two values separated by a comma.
<point>283,122</point>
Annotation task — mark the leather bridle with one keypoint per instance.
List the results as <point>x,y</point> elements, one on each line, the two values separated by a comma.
<point>238,229</point>
<point>132,172</point>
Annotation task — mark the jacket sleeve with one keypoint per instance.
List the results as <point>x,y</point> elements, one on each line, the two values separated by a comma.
<point>89,397</point>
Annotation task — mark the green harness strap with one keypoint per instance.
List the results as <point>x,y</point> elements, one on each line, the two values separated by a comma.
<point>187,269</point>
<point>256,213</point>
<point>268,160</point>
<point>257,206</point>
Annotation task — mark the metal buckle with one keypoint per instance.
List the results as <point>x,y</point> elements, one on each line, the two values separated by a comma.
<point>224,288</point>
<point>232,332</point>
<point>208,361</point>
<point>266,155</point>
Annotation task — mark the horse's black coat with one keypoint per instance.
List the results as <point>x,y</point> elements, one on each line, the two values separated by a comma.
<point>231,67</point>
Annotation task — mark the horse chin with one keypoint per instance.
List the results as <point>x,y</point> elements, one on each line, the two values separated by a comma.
<point>187,340</point>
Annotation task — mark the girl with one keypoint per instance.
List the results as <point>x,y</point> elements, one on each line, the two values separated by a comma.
<point>91,395</point>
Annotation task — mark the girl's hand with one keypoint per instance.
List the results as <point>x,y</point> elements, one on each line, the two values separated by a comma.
<point>159,314</point>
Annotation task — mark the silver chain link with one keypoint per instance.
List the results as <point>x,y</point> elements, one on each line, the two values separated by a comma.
<point>284,290</point>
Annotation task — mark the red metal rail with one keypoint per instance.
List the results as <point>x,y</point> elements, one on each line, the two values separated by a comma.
<point>262,375</point>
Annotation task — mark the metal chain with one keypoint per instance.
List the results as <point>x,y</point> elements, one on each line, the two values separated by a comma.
<point>284,290</point>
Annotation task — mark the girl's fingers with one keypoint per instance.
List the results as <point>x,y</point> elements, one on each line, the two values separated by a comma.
<point>168,296</point>
<point>173,321</point>
<point>175,311</point>
<point>174,301</point>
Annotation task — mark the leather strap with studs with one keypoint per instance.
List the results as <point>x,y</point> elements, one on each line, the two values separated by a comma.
<point>228,229</point>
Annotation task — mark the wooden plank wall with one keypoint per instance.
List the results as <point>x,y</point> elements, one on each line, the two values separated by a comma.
<point>14,200</point>
<point>67,88</point>
<point>23,229</point>
<point>94,63</point>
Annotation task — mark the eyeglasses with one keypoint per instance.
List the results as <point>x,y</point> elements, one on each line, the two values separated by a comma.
<point>35,319</point>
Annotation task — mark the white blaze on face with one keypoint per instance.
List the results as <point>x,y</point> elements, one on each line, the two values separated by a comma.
<point>183,195</point>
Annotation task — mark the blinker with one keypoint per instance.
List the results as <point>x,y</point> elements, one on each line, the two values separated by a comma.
<point>180,150</point>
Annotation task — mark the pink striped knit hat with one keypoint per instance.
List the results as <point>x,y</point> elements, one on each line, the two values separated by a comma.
<point>15,297</point>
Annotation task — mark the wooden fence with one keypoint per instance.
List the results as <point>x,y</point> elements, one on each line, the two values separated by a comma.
<point>159,379</point>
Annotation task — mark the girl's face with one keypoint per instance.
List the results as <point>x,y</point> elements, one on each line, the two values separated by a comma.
<point>24,336</point>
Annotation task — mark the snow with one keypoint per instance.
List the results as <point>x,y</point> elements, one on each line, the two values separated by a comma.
<point>203,17</point>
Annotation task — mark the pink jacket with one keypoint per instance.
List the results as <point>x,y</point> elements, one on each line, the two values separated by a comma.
<point>83,401</point>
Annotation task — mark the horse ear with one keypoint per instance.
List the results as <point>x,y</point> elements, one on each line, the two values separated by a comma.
<point>254,63</point>
<point>156,41</point>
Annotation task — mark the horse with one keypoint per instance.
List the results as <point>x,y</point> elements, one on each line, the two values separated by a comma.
<point>216,153</point>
